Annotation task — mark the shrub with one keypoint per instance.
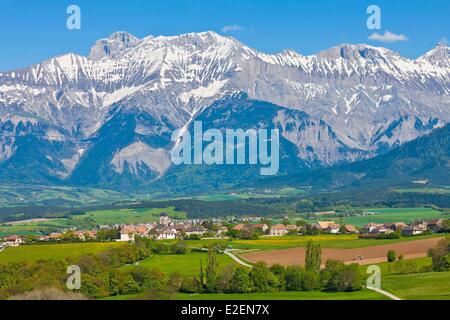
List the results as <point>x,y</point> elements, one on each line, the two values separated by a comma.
<point>179,248</point>
<point>439,256</point>
<point>240,282</point>
<point>263,280</point>
<point>403,267</point>
<point>340,277</point>
<point>49,294</point>
<point>310,281</point>
<point>189,285</point>
<point>294,278</point>
<point>391,256</point>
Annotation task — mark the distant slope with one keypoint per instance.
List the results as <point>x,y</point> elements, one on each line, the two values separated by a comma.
<point>426,158</point>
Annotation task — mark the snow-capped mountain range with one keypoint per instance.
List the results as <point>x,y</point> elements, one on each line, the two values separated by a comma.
<point>346,103</point>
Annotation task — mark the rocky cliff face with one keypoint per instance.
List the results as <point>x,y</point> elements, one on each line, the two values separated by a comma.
<point>343,104</point>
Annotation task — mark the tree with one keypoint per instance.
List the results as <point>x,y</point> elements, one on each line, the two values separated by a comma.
<point>439,256</point>
<point>263,280</point>
<point>340,277</point>
<point>211,271</point>
<point>391,256</point>
<point>201,277</point>
<point>49,294</point>
<point>224,278</point>
<point>310,281</point>
<point>189,285</point>
<point>179,248</point>
<point>294,278</point>
<point>313,257</point>
<point>280,272</point>
<point>240,282</point>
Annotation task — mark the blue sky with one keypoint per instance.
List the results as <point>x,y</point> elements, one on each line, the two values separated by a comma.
<point>32,31</point>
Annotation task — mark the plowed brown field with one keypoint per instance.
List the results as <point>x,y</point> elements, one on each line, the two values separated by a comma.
<point>375,254</point>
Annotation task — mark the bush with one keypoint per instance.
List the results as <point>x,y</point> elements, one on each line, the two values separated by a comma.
<point>403,267</point>
<point>310,281</point>
<point>294,278</point>
<point>49,294</point>
<point>189,285</point>
<point>179,248</point>
<point>391,256</point>
<point>340,277</point>
<point>439,256</point>
<point>263,280</point>
<point>240,282</point>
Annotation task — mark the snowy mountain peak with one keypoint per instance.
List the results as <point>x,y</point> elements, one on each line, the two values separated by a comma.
<point>113,45</point>
<point>438,56</point>
<point>361,92</point>
<point>355,52</point>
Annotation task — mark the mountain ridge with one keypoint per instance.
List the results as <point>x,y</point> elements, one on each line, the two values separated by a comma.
<point>371,98</point>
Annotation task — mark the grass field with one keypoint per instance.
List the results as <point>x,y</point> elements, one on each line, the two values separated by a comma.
<point>420,286</point>
<point>443,190</point>
<point>185,264</point>
<point>386,266</point>
<point>253,194</point>
<point>131,216</point>
<point>89,220</point>
<point>32,253</point>
<point>40,195</point>
<point>393,215</point>
<point>36,228</point>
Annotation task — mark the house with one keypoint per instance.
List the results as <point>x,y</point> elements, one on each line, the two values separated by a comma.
<point>142,230</point>
<point>166,234</point>
<point>252,227</point>
<point>292,228</point>
<point>420,224</point>
<point>127,234</point>
<point>239,227</point>
<point>55,236</point>
<point>324,225</point>
<point>382,230</point>
<point>79,235</point>
<point>412,231</point>
<point>90,234</point>
<point>278,230</point>
<point>181,227</point>
<point>197,230</point>
<point>13,241</point>
<point>370,227</point>
<point>435,225</point>
<point>396,226</point>
<point>333,228</point>
<point>221,230</point>
<point>350,229</point>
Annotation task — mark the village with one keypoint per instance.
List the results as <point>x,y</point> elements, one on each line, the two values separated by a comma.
<point>244,228</point>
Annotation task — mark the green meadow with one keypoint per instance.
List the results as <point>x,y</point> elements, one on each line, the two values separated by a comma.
<point>419,286</point>
<point>384,215</point>
<point>131,216</point>
<point>89,220</point>
<point>427,190</point>
<point>32,253</point>
<point>184,264</point>
<point>46,195</point>
<point>253,194</point>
